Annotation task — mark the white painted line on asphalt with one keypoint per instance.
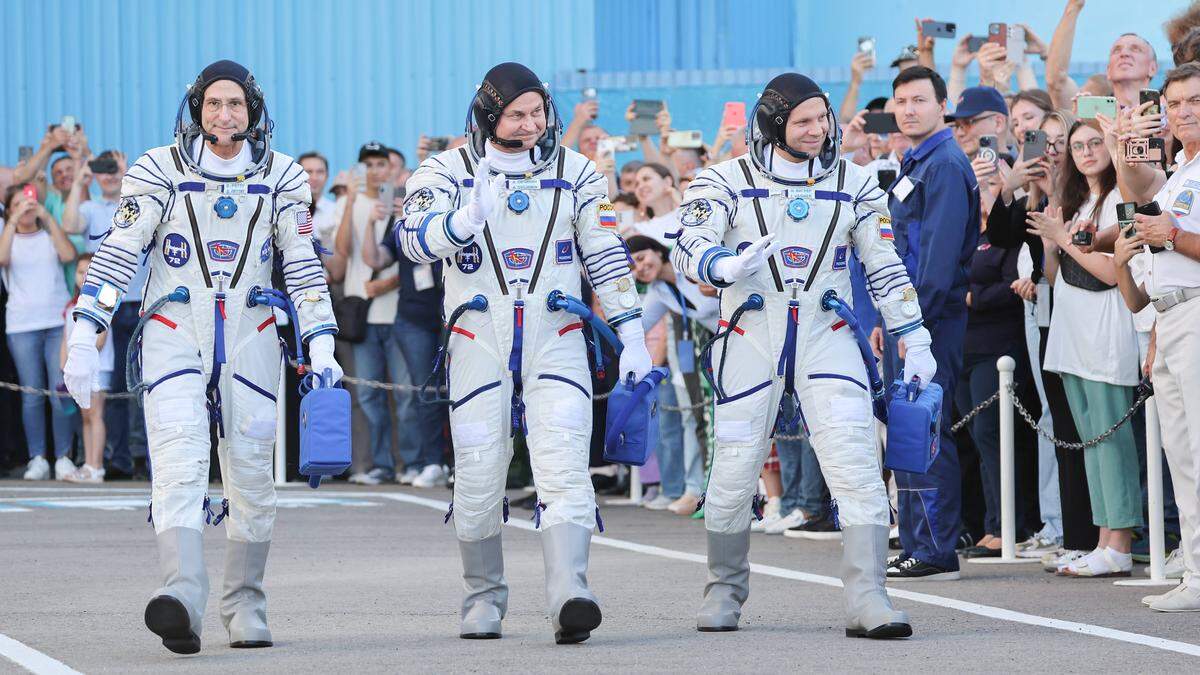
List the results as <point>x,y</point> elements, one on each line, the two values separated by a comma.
<point>807,577</point>
<point>31,659</point>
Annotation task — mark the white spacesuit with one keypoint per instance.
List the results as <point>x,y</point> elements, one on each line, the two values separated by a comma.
<point>212,360</point>
<point>777,235</point>
<point>516,226</point>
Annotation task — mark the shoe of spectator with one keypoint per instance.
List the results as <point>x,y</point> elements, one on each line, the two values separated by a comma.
<point>911,569</point>
<point>1056,559</point>
<point>981,552</point>
<point>821,529</point>
<point>64,467</point>
<point>894,560</point>
<point>1148,600</point>
<point>686,505</point>
<point>430,477</point>
<point>38,469</point>
<point>964,542</point>
<point>1099,564</point>
<point>85,474</point>
<point>1185,599</point>
<point>410,474</point>
<point>770,515</point>
<point>794,519</point>
<point>659,503</point>
<point>1037,546</point>
<point>361,478</point>
<point>1173,567</point>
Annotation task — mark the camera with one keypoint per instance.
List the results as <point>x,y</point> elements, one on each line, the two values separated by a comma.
<point>439,143</point>
<point>105,163</point>
<point>1082,238</point>
<point>1144,150</point>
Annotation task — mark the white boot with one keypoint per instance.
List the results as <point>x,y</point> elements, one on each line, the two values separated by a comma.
<point>176,611</point>
<point>243,603</point>
<point>728,581</point>
<point>486,599</point>
<point>574,609</point>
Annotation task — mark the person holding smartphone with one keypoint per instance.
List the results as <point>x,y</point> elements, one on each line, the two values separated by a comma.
<point>33,249</point>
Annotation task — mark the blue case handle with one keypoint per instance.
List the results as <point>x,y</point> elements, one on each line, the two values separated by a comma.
<point>640,390</point>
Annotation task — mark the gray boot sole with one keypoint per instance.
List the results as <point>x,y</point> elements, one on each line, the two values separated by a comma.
<point>167,618</point>
<point>888,631</point>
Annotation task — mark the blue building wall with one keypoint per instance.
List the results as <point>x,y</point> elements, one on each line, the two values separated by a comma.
<point>339,73</point>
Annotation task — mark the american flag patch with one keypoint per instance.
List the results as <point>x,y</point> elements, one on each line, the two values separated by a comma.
<point>608,215</point>
<point>885,228</point>
<point>303,222</point>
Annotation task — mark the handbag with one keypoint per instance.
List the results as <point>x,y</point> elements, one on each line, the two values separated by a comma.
<point>350,312</point>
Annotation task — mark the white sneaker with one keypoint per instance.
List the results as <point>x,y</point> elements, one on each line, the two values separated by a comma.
<point>38,469</point>
<point>64,467</point>
<point>430,477</point>
<point>1185,599</point>
<point>361,478</point>
<point>1148,600</point>
<point>770,515</point>
<point>1100,563</point>
<point>793,519</point>
<point>1062,557</point>
<point>410,474</point>
<point>1173,567</point>
<point>85,474</point>
<point>659,503</point>
<point>1037,546</point>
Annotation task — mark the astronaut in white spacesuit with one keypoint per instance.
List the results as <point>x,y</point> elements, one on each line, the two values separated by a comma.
<point>210,212</point>
<point>519,216</point>
<point>775,230</point>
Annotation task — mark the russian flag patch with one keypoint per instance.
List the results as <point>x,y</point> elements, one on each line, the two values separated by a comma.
<point>885,228</point>
<point>608,215</point>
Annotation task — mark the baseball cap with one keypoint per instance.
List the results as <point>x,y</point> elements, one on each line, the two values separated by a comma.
<point>909,53</point>
<point>976,101</point>
<point>372,149</point>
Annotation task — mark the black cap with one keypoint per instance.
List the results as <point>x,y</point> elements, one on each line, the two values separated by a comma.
<point>372,149</point>
<point>501,86</point>
<point>783,93</point>
<point>234,72</point>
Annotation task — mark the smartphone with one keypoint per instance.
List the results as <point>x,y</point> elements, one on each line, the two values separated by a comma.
<point>998,34</point>
<point>1125,213</point>
<point>24,153</point>
<point>938,29</point>
<point>1087,107</point>
<point>1015,45</point>
<point>439,143</point>
<point>1083,238</point>
<point>685,139</point>
<point>104,164</point>
<point>589,94</point>
<point>1151,209</point>
<point>387,197</point>
<point>1035,145</point>
<point>866,45</point>
<point>624,143</point>
<point>68,123</point>
<point>606,147</point>
<point>988,149</point>
<point>30,192</point>
<point>880,123</point>
<point>1150,96</point>
<point>734,115</point>
<point>644,112</point>
<point>886,177</point>
<point>360,176</point>
<point>974,43</point>
<point>1144,150</point>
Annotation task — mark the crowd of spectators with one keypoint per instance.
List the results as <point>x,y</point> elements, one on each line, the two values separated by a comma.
<point>1053,278</point>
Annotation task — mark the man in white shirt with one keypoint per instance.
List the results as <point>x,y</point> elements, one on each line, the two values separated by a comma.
<point>1170,243</point>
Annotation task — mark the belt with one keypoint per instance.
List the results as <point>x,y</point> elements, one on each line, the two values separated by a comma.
<point>1176,297</point>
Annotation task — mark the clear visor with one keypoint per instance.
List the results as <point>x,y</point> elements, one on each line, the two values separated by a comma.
<point>547,145</point>
<point>188,131</point>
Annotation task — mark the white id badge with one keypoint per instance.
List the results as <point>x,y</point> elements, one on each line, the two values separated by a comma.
<point>1043,303</point>
<point>423,277</point>
<point>902,188</point>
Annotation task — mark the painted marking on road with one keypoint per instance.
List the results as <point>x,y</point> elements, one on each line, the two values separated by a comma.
<point>833,582</point>
<point>283,501</point>
<point>31,659</point>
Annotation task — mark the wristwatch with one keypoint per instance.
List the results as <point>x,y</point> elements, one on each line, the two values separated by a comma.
<point>1169,244</point>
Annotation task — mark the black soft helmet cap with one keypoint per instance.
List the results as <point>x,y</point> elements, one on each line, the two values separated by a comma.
<point>234,72</point>
<point>501,86</point>
<point>782,95</point>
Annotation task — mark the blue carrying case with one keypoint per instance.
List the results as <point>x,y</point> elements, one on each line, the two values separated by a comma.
<point>631,428</point>
<point>914,427</point>
<point>324,430</point>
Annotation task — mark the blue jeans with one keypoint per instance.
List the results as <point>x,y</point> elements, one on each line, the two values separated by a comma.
<point>378,358</point>
<point>677,476</point>
<point>123,418</point>
<point>418,344</point>
<point>803,484</point>
<point>36,354</point>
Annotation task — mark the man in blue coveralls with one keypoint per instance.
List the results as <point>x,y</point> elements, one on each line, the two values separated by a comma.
<point>935,209</point>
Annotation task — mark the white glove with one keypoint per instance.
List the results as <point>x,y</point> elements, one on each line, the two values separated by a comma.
<point>918,360</point>
<point>320,355</point>
<point>485,196</point>
<point>733,269</point>
<point>634,357</point>
<point>83,362</point>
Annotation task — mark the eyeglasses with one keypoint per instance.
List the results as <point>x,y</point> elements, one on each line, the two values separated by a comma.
<point>1091,145</point>
<point>213,105</point>
<point>972,121</point>
<point>1056,145</point>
